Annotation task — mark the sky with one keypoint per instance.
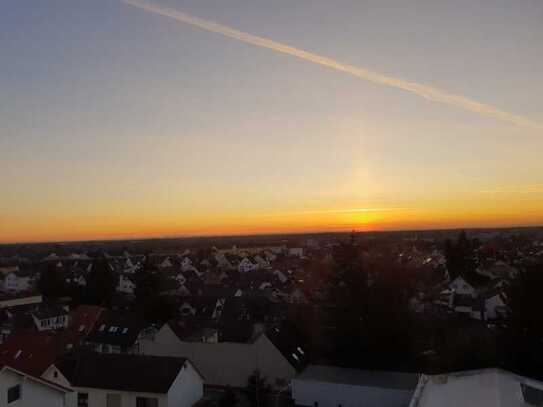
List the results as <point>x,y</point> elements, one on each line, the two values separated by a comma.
<point>119,122</point>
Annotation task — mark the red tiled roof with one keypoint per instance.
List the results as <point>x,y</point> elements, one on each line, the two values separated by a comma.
<point>82,321</point>
<point>30,353</point>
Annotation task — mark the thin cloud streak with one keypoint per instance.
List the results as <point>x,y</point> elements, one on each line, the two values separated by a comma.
<point>422,90</point>
<point>517,189</point>
<point>335,211</point>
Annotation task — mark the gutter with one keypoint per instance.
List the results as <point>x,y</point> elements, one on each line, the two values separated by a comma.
<point>417,395</point>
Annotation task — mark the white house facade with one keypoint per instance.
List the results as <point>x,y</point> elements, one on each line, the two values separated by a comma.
<point>478,388</point>
<point>18,389</point>
<point>330,386</point>
<point>162,383</point>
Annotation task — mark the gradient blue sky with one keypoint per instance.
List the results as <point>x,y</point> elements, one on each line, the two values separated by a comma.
<point>118,122</point>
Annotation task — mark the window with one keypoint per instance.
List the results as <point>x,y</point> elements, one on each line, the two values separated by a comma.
<point>55,374</point>
<point>82,399</point>
<point>113,400</point>
<point>14,393</point>
<point>146,402</point>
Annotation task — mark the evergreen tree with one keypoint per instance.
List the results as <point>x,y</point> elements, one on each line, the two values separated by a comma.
<point>460,256</point>
<point>51,283</point>
<point>349,296</point>
<point>228,399</point>
<point>101,283</point>
<point>148,303</point>
<point>257,388</point>
<point>525,319</point>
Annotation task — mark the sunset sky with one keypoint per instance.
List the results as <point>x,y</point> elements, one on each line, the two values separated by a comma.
<point>120,122</point>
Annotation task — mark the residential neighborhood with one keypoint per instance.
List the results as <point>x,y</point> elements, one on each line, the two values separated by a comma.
<point>272,324</point>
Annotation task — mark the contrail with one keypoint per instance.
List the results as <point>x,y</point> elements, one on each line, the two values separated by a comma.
<point>425,91</point>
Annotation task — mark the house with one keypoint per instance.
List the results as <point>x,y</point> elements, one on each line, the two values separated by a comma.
<point>77,279</point>
<point>331,386</point>
<point>21,300</point>
<point>5,270</point>
<point>129,266</point>
<point>297,296</point>
<point>245,265</point>
<point>186,265</point>
<point>502,270</point>
<point>21,389</point>
<point>495,306</point>
<point>281,276</point>
<point>231,363</point>
<point>477,388</point>
<point>116,332</point>
<point>223,261</point>
<point>180,278</point>
<point>166,263</point>
<point>468,306</point>
<point>460,286</point>
<point>127,380</point>
<point>81,322</point>
<point>126,285</point>
<point>296,252</point>
<point>17,281</point>
<point>31,353</point>
<point>50,317</point>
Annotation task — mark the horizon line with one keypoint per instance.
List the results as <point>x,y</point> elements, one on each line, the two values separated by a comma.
<point>285,233</point>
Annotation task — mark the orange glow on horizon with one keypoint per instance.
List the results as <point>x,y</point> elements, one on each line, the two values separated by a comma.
<point>340,220</point>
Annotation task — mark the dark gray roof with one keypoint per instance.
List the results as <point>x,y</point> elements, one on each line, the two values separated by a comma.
<point>148,374</point>
<point>117,328</point>
<point>367,378</point>
<point>532,395</point>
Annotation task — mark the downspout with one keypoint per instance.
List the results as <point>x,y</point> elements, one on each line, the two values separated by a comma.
<point>417,395</point>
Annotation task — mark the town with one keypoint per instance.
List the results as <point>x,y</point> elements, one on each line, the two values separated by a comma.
<point>417,319</point>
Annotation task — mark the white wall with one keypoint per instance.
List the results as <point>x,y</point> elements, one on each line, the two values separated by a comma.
<point>187,388</point>
<point>491,305</point>
<point>462,287</point>
<point>98,397</point>
<point>485,388</point>
<point>224,363</point>
<point>49,374</point>
<point>306,393</point>
<point>32,393</point>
